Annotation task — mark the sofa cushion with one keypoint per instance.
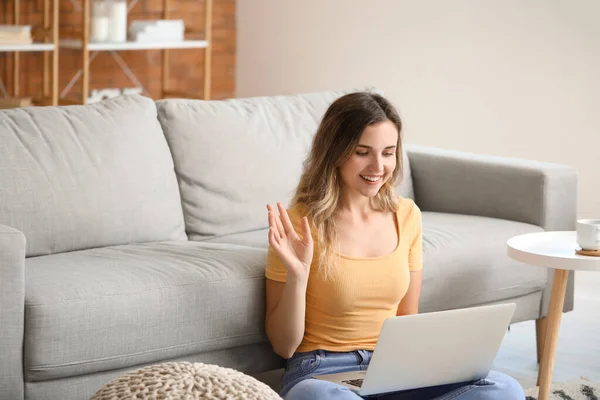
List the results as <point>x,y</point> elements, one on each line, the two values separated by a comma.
<point>76,177</point>
<point>256,238</point>
<point>465,262</point>
<point>108,308</point>
<point>232,157</point>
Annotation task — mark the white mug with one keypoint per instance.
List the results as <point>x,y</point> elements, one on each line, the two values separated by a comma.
<point>588,234</point>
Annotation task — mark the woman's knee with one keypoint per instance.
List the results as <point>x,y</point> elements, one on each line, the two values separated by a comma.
<point>315,389</point>
<point>504,386</point>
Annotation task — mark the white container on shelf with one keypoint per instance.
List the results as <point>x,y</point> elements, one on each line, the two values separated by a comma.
<point>156,30</point>
<point>117,20</point>
<point>99,21</point>
<point>16,29</point>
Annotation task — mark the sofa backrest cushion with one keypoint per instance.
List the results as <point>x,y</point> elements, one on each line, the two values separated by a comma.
<point>76,177</point>
<point>232,157</point>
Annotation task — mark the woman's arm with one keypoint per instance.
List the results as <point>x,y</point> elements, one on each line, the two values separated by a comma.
<point>291,255</point>
<point>410,303</point>
<point>286,311</point>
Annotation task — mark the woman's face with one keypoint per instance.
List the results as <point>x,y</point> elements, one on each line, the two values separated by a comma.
<point>373,160</point>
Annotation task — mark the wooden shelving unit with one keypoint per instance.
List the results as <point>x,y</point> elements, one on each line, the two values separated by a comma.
<point>186,44</point>
<point>46,40</point>
<point>89,50</point>
<point>27,47</point>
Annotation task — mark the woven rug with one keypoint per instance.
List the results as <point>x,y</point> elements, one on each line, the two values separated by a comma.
<point>579,389</point>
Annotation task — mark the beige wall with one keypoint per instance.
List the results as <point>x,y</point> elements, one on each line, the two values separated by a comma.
<point>517,78</point>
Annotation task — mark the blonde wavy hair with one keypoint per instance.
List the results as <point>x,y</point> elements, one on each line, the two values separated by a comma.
<point>335,141</point>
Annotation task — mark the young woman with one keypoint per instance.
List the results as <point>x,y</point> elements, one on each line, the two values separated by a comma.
<point>346,255</point>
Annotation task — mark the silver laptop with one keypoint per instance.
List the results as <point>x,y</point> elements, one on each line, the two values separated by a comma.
<point>431,349</point>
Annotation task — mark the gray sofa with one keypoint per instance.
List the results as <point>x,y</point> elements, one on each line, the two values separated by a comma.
<point>134,232</point>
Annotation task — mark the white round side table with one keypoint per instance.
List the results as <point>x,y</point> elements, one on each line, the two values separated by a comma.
<point>554,250</point>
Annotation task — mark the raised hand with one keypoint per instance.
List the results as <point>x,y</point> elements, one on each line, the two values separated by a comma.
<point>296,252</point>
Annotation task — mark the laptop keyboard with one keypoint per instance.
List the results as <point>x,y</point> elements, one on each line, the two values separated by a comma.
<point>354,382</point>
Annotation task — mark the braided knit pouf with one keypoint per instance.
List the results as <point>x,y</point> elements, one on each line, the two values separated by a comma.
<point>185,381</point>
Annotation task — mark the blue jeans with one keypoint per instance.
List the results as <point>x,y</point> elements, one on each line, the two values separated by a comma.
<point>297,385</point>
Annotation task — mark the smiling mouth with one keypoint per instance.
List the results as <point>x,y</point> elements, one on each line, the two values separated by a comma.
<point>371,178</point>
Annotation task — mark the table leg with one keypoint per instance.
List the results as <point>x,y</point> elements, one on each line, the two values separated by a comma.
<point>557,300</point>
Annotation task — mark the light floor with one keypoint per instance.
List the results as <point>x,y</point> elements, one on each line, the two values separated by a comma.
<point>578,351</point>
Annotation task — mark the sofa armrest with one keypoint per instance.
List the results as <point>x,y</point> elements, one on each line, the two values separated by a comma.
<point>12,312</point>
<point>533,192</point>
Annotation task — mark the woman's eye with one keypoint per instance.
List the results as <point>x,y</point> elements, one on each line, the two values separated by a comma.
<point>364,153</point>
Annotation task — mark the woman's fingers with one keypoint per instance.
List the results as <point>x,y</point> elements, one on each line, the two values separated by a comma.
<point>272,224</point>
<point>279,226</point>
<point>287,224</point>
<point>275,223</point>
<point>273,238</point>
<point>306,234</point>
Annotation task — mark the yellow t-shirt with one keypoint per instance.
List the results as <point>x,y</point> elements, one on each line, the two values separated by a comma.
<point>346,313</point>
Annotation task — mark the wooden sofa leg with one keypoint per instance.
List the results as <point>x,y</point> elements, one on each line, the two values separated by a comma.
<point>540,333</point>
